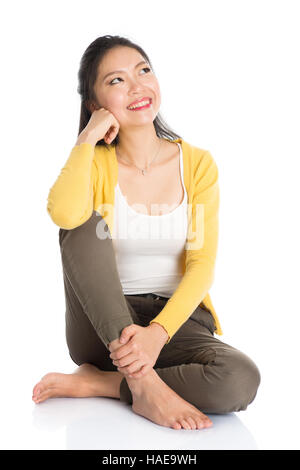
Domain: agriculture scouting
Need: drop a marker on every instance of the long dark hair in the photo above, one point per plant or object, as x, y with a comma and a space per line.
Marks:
87, 76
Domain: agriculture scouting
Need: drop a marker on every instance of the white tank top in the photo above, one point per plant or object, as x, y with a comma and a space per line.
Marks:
149, 249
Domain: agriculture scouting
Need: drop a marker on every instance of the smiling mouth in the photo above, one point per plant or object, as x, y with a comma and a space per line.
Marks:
142, 105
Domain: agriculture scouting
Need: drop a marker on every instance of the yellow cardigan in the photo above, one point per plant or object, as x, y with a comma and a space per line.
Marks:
87, 182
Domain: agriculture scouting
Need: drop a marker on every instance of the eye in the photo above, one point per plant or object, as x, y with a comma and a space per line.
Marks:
118, 78
146, 68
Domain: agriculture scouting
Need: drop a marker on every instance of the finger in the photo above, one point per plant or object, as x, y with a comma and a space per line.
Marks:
111, 134
127, 333
132, 368
126, 360
141, 373
121, 352
107, 138
116, 346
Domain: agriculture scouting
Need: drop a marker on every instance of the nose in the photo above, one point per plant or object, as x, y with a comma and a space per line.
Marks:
135, 86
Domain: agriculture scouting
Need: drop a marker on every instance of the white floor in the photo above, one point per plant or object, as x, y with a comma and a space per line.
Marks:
106, 423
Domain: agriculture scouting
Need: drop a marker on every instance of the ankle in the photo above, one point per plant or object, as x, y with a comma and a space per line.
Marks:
138, 385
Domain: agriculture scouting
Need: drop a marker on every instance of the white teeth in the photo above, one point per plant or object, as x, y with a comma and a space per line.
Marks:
139, 104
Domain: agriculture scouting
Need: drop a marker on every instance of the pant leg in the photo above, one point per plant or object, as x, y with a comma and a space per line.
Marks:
211, 375
84, 344
90, 270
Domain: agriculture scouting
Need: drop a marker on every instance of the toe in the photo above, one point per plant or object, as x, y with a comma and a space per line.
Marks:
199, 421
176, 425
208, 423
42, 396
38, 388
191, 422
185, 424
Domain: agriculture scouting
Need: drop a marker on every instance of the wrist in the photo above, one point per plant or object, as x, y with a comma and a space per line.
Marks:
86, 137
160, 330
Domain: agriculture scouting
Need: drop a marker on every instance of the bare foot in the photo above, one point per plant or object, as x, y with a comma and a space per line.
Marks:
155, 400
86, 381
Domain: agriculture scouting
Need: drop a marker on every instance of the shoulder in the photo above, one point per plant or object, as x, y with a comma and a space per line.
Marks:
199, 157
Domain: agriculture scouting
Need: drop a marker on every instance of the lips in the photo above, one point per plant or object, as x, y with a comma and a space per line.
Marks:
140, 100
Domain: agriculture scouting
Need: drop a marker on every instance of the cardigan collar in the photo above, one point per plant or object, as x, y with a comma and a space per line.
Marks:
186, 150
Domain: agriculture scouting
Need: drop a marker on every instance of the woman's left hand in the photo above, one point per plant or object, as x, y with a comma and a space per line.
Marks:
142, 348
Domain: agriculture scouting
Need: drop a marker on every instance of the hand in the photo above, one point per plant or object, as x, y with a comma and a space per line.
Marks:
102, 125
143, 345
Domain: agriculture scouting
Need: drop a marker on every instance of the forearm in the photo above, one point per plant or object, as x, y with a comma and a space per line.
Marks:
87, 138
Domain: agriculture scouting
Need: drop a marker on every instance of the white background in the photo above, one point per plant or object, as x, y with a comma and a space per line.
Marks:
229, 77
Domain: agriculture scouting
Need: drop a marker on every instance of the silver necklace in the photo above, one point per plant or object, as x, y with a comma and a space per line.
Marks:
143, 170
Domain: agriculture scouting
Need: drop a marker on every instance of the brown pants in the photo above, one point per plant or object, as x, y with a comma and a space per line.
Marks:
211, 375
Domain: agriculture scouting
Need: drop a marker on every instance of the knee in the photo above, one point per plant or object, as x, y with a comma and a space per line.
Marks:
85, 241
240, 379
89, 228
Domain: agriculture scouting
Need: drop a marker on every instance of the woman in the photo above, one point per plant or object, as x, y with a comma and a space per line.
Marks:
140, 323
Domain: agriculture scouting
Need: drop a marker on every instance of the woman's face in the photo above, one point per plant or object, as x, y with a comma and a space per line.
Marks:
118, 90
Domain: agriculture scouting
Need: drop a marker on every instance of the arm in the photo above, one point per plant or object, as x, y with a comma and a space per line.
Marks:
70, 199
160, 330
200, 253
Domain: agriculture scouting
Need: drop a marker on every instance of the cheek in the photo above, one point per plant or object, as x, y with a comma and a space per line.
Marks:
111, 100
158, 96
156, 92
116, 103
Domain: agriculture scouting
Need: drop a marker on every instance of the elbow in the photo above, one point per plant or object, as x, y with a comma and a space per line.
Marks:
64, 220
61, 219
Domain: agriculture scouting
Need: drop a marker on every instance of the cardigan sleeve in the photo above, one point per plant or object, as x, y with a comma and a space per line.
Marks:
200, 250
71, 198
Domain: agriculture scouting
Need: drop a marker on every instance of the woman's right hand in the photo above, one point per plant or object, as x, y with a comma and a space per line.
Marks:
102, 125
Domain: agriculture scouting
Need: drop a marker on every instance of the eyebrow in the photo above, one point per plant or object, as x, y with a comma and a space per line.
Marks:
121, 71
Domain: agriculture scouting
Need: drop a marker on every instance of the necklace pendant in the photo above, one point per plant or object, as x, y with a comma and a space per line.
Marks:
144, 172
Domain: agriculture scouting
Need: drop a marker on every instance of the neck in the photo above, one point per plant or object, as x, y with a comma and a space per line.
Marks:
139, 147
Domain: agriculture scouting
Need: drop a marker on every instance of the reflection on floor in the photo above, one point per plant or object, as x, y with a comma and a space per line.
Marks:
107, 423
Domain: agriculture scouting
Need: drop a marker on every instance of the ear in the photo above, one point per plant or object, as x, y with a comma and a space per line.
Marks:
90, 106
